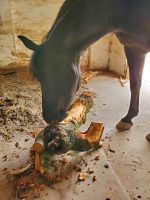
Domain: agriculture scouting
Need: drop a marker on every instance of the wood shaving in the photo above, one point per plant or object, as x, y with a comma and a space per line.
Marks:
97, 158
94, 178
89, 75
82, 176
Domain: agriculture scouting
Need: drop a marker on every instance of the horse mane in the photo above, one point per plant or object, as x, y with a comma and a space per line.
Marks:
66, 6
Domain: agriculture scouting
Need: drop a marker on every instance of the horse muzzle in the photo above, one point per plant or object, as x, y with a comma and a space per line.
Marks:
49, 117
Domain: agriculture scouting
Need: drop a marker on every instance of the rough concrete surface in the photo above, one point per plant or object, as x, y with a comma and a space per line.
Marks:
123, 170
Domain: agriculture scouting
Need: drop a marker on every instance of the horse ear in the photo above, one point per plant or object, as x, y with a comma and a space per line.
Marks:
28, 43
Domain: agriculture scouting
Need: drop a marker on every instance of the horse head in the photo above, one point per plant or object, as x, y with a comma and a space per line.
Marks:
58, 76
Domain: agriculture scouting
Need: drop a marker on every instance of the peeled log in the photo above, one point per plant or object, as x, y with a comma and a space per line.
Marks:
58, 134
59, 138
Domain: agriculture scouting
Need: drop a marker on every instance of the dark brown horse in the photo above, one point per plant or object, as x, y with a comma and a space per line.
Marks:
79, 24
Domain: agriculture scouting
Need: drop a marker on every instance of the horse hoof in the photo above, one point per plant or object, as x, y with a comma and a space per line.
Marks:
148, 137
123, 126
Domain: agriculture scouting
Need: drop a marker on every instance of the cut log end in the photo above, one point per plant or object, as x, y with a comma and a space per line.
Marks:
94, 132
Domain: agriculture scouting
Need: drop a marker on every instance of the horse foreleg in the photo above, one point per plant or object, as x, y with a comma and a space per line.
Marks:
135, 60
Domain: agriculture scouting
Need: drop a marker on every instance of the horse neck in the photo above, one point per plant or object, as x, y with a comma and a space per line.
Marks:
86, 22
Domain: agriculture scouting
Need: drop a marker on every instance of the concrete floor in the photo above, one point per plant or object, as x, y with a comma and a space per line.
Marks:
131, 160
126, 153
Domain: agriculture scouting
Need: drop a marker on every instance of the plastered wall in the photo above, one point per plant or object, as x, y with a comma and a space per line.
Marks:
33, 18
7, 45
117, 59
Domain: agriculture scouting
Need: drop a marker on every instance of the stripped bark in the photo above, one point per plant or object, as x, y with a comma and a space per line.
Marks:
59, 138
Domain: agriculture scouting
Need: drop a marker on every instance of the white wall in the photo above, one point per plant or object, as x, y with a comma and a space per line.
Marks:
33, 18
7, 45
97, 55
106, 53
117, 59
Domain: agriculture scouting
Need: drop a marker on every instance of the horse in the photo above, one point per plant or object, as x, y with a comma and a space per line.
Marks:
80, 23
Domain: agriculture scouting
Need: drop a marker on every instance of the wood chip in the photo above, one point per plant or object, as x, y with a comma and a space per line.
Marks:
122, 81
65, 161
94, 178
82, 176
111, 150
21, 170
89, 75
97, 158
106, 166
90, 170
17, 144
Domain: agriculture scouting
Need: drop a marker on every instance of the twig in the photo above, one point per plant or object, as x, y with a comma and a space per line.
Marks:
122, 82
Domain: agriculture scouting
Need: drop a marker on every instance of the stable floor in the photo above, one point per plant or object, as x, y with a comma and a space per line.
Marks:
122, 169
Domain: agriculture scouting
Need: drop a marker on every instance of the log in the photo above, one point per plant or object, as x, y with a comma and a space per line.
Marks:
59, 138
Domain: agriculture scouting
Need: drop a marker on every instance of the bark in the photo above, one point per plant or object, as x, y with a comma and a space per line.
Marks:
59, 138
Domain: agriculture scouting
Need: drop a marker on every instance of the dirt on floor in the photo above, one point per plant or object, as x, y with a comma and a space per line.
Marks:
20, 106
